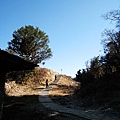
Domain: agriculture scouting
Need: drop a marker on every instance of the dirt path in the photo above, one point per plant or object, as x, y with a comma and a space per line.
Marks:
45, 100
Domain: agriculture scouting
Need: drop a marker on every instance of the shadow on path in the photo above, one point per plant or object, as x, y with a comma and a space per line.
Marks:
45, 100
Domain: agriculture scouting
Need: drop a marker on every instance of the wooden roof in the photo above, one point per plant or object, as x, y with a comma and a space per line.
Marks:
9, 62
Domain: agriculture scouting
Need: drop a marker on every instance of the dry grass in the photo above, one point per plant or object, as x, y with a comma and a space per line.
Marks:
22, 103
31, 86
65, 86
13, 89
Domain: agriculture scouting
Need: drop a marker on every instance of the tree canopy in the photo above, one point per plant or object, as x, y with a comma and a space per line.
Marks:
111, 41
110, 61
30, 43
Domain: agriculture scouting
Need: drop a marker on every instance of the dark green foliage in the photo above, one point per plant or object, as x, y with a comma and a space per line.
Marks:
31, 44
103, 92
89, 75
85, 77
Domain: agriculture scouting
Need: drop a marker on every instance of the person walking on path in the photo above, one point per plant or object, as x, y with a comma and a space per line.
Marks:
46, 83
55, 77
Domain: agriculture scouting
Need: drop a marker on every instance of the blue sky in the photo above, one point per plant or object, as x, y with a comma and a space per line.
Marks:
74, 28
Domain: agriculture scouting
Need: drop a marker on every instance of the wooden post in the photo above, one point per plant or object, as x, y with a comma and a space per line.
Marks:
2, 83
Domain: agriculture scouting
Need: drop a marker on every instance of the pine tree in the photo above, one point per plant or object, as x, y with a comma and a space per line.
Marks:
31, 44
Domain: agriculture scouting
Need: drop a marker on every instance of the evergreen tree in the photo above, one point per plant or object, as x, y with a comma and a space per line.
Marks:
31, 44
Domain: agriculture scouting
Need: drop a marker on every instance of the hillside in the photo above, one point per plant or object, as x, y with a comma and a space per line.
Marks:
21, 100
31, 86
